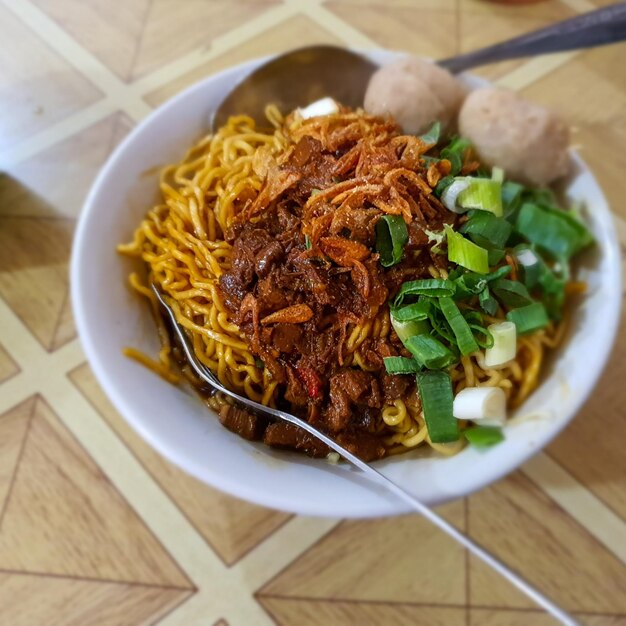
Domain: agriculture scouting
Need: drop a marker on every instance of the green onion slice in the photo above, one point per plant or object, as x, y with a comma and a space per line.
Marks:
406, 330
391, 237
462, 332
435, 389
487, 230
433, 134
484, 194
511, 199
443, 184
455, 152
420, 310
433, 287
495, 256
465, 253
511, 293
401, 365
483, 436
551, 231
430, 351
529, 318
487, 302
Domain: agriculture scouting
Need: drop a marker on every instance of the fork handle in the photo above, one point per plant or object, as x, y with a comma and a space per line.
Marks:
203, 372
596, 28
417, 505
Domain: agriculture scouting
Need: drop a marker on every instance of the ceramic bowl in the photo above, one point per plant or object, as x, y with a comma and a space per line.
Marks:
178, 424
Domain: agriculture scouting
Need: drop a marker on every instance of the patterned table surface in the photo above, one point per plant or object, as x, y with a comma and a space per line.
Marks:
98, 529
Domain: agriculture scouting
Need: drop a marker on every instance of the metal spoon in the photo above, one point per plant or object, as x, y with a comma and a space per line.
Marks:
207, 375
302, 76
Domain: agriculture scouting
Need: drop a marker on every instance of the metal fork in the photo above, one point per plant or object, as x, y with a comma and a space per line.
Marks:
207, 375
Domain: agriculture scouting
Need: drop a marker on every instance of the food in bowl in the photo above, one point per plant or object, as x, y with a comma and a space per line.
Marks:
384, 286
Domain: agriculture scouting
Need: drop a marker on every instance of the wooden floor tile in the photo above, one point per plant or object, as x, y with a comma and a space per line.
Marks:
13, 427
37, 87
522, 526
26, 600
8, 367
111, 31
34, 255
292, 33
173, 28
53, 183
403, 26
305, 612
64, 517
405, 559
231, 526
596, 460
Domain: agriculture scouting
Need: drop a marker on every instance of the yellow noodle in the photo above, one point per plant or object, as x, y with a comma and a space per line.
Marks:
181, 241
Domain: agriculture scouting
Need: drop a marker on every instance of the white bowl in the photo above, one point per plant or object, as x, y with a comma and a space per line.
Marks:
109, 317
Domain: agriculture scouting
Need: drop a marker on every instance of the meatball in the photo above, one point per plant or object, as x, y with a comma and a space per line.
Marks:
528, 141
416, 93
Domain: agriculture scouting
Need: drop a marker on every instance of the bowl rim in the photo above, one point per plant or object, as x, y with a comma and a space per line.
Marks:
269, 498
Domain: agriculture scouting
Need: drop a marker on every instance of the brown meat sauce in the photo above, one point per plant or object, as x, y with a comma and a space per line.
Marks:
308, 238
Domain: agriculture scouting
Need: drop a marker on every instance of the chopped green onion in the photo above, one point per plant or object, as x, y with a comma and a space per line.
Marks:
391, 237
501, 272
435, 390
465, 253
504, 346
433, 287
441, 328
314, 192
550, 231
420, 310
529, 318
495, 256
483, 436
455, 152
443, 184
487, 302
537, 275
401, 365
487, 230
471, 284
572, 217
259, 364
511, 293
484, 194
307, 242
406, 330
431, 137
430, 351
486, 405
462, 332
511, 199
450, 195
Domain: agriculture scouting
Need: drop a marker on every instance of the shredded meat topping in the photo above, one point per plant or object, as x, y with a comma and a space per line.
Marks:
305, 271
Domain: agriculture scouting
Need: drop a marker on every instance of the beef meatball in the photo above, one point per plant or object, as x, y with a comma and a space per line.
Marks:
526, 140
416, 93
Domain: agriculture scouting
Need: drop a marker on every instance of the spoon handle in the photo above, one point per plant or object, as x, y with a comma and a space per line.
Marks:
596, 28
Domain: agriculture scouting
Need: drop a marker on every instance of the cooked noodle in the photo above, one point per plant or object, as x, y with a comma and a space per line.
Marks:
182, 243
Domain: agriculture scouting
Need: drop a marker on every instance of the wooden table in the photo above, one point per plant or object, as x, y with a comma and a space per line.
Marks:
98, 529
